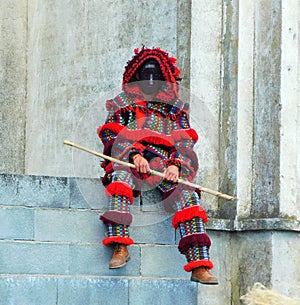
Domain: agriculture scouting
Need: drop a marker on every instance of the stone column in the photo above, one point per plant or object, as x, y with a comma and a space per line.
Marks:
290, 111
13, 79
267, 104
245, 107
205, 92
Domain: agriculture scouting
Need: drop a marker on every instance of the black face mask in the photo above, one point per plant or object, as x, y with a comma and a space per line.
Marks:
150, 77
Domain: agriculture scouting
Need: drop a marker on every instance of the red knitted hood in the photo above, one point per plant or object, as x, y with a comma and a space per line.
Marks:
168, 68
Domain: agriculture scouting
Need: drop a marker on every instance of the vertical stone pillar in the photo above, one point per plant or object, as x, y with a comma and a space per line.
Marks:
206, 25
228, 104
266, 140
184, 40
13, 78
290, 112
245, 93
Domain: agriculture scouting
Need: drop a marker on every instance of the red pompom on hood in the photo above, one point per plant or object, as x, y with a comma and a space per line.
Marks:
168, 68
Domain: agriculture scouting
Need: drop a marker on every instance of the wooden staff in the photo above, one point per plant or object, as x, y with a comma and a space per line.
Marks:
152, 171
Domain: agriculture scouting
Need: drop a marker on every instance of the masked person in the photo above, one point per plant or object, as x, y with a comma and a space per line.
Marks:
148, 125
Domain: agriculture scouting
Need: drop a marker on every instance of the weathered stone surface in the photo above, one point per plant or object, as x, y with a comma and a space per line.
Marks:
156, 229
34, 258
162, 292
266, 141
228, 106
13, 77
87, 194
162, 261
286, 260
252, 261
67, 226
93, 259
24, 190
74, 62
183, 47
82, 48
16, 223
93, 291
205, 78
28, 290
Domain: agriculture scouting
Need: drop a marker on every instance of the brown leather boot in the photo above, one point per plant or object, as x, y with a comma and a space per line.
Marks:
202, 275
120, 257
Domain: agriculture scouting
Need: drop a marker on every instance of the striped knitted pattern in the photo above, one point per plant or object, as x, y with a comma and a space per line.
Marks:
108, 135
166, 186
197, 253
158, 151
195, 225
122, 176
184, 122
187, 143
157, 123
119, 148
115, 117
115, 230
121, 100
132, 122
119, 203
187, 199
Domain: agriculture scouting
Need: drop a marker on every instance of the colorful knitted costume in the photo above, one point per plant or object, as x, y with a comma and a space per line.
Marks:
160, 131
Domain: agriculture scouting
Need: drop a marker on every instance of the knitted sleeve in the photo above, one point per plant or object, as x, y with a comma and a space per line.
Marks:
183, 154
113, 125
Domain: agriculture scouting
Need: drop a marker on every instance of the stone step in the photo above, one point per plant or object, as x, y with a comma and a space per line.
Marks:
24, 257
51, 250
63, 290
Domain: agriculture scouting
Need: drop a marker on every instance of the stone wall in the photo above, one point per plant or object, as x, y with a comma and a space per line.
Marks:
63, 58
241, 66
13, 90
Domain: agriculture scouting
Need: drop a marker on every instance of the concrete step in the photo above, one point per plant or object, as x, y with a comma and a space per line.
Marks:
51, 250
62, 290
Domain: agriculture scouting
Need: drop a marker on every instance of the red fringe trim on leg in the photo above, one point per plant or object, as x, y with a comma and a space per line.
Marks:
189, 213
119, 188
195, 264
117, 239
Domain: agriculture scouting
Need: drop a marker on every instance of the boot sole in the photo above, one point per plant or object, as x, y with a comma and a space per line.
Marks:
120, 266
204, 283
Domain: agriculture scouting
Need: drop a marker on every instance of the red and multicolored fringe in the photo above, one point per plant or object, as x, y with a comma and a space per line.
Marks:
198, 263
117, 239
119, 188
187, 214
115, 128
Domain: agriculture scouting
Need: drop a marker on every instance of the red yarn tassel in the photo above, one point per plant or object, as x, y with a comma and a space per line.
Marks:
117, 239
200, 263
119, 188
189, 213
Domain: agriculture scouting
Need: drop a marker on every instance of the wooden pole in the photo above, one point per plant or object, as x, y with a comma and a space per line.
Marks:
152, 172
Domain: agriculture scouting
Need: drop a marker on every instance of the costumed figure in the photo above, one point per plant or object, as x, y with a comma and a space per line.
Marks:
148, 125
